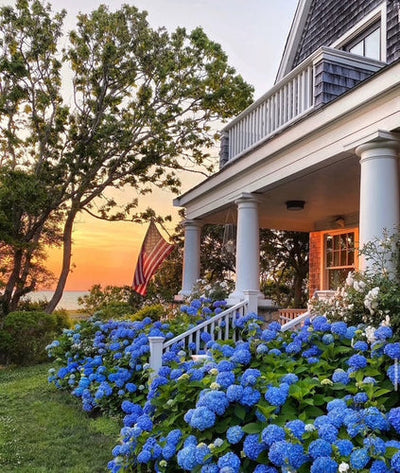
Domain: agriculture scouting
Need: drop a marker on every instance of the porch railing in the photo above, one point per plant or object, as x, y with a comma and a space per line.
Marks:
323, 76
220, 327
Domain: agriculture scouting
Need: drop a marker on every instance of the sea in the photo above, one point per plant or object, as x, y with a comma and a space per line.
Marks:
69, 300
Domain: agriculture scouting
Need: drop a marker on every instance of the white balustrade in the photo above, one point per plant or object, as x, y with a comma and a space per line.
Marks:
220, 327
289, 99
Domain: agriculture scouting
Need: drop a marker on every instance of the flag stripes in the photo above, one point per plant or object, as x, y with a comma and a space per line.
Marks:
153, 252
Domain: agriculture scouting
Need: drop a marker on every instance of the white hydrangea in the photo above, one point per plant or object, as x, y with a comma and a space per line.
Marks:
371, 300
343, 467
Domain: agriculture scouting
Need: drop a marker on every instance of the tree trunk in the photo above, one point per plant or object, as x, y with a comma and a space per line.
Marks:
11, 283
66, 264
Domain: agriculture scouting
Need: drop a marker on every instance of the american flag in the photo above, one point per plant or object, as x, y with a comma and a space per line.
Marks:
153, 252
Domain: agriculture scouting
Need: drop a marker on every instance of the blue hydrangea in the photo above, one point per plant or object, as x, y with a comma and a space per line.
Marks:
187, 458
379, 466
375, 445
230, 460
250, 396
234, 434
361, 346
345, 447
357, 362
392, 350
327, 339
265, 469
273, 433
279, 452
361, 398
328, 432
336, 404
249, 377
262, 349
340, 376
395, 462
215, 401
252, 446
241, 356
202, 453
268, 335
339, 328
375, 420
290, 378
320, 448
324, 465
320, 324
225, 379
234, 393
359, 458
202, 418
297, 427
145, 423
393, 373
383, 333
276, 396
394, 418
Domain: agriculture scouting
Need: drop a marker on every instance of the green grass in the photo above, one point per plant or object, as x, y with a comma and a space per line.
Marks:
43, 430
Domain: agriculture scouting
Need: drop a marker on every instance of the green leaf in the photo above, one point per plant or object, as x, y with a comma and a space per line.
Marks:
240, 412
252, 428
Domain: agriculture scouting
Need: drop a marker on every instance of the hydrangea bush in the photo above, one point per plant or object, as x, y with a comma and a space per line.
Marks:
105, 363
320, 400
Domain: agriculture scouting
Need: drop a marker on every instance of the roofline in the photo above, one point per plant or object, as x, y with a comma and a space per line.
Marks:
292, 41
185, 197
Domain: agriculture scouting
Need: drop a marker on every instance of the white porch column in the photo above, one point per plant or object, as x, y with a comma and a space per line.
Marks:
247, 248
379, 190
191, 256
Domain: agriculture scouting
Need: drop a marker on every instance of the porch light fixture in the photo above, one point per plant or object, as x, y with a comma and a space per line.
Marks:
295, 205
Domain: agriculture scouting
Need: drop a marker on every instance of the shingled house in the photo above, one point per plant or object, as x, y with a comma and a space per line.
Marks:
318, 152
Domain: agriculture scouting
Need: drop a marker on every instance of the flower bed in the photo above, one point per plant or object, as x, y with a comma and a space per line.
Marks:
104, 363
320, 400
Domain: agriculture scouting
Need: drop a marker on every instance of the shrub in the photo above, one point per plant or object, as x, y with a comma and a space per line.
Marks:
307, 401
370, 297
25, 335
154, 312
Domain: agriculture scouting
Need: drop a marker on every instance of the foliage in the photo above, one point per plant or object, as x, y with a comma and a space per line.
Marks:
371, 296
284, 266
308, 401
44, 430
25, 334
144, 102
153, 312
100, 298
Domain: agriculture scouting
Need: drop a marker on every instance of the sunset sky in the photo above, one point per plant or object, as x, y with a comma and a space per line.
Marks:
253, 34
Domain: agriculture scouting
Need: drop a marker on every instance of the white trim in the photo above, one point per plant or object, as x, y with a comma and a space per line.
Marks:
299, 21
368, 20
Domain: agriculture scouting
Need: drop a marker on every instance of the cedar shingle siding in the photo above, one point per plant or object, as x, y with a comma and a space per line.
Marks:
330, 19
393, 33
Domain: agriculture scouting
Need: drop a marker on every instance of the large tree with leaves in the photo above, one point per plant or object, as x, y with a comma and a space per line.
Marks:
142, 107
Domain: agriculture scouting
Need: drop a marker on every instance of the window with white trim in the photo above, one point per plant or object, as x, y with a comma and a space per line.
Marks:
367, 44
340, 257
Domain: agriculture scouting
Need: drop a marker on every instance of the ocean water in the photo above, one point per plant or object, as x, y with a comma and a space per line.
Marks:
69, 300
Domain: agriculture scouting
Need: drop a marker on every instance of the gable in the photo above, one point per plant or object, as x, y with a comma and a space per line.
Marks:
327, 21
322, 22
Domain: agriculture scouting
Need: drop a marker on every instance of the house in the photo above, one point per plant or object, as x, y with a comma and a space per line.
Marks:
318, 152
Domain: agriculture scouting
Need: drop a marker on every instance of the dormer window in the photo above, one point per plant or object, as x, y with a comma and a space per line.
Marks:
367, 44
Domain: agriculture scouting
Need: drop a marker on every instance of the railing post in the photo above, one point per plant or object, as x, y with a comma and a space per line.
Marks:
156, 351
252, 300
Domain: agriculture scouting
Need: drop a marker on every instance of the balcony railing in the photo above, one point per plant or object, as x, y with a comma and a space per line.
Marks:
325, 75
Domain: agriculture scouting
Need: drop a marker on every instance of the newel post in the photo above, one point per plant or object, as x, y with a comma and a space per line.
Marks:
252, 300
156, 351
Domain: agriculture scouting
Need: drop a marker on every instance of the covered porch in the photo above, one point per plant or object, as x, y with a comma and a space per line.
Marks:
340, 160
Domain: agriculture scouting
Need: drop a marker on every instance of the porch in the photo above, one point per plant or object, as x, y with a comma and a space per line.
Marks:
339, 159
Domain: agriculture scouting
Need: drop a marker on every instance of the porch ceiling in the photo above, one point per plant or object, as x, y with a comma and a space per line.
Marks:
329, 192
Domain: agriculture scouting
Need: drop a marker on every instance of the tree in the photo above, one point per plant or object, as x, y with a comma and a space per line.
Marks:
284, 266
144, 103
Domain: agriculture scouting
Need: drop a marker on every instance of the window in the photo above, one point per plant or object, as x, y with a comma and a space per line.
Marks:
339, 257
367, 44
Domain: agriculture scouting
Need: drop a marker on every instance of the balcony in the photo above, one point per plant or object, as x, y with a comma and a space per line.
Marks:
325, 75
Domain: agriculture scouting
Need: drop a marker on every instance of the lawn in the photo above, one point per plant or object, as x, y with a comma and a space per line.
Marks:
43, 430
